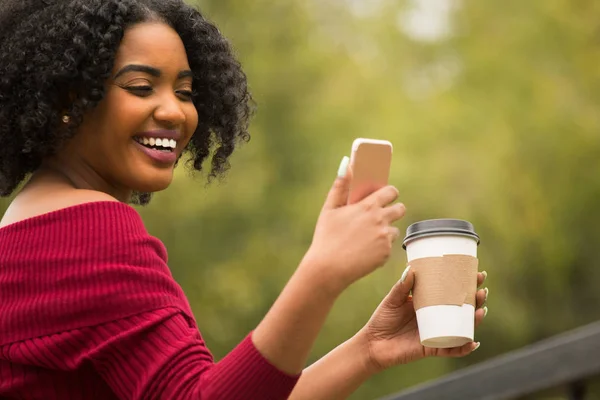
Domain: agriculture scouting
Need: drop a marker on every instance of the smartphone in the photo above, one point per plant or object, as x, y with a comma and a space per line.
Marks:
370, 161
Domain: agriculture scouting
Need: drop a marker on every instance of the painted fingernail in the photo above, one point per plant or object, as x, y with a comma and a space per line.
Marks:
404, 274
485, 310
487, 292
476, 346
484, 273
343, 167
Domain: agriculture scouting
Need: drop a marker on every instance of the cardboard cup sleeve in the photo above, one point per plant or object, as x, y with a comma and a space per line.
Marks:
447, 280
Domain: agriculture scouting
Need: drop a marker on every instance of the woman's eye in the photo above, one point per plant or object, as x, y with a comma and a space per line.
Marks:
141, 91
186, 94
144, 91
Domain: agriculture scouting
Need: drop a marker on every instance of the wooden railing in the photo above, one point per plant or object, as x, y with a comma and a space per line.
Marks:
565, 361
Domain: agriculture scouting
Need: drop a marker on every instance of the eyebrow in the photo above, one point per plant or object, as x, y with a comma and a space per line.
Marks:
150, 71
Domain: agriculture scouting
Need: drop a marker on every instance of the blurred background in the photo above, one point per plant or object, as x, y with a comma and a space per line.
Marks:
494, 112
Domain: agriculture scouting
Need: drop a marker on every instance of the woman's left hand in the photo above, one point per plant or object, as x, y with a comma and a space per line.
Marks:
392, 334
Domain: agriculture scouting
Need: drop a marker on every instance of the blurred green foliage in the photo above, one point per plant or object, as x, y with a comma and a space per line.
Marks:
494, 115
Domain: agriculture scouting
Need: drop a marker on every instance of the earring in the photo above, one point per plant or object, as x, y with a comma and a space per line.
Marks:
66, 119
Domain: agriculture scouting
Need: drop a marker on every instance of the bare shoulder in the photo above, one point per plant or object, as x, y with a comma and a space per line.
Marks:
32, 203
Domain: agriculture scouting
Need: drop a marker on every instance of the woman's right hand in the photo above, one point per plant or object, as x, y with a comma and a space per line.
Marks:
352, 240
349, 242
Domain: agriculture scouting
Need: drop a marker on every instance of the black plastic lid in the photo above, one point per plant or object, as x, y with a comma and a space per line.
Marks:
436, 227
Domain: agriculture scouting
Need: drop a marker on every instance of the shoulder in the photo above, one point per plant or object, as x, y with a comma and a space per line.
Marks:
88, 221
31, 204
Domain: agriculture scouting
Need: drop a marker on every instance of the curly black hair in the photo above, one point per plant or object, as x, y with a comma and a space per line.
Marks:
55, 56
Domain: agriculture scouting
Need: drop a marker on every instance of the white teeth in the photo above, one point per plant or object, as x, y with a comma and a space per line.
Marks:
166, 143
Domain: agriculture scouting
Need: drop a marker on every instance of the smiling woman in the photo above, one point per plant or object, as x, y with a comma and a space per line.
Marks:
99, 100
82, 79
149, 95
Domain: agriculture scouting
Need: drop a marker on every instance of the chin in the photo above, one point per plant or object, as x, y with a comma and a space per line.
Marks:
154, 182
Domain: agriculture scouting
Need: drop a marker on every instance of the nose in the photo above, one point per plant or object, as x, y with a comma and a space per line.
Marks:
169, 111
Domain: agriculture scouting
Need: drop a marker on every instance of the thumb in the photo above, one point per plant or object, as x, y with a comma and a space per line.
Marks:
338, 194
399, 293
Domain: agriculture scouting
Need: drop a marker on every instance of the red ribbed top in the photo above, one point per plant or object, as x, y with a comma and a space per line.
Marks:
90, 310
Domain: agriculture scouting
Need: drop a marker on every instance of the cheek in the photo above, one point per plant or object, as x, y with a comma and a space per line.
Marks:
124, 114
191, 120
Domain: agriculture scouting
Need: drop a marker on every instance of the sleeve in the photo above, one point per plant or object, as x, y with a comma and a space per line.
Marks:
158, 355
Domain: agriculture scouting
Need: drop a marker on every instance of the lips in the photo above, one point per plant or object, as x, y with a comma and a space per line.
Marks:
163, 156
159, 145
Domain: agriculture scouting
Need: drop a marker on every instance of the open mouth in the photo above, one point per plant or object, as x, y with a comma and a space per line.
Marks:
165, 145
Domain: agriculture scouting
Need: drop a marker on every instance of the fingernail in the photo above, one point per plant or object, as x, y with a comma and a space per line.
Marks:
487, 292
343, 167
485, 310
404, 274
476, 346
484, 273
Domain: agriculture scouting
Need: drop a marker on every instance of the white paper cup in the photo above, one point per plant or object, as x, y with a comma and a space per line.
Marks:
443, 326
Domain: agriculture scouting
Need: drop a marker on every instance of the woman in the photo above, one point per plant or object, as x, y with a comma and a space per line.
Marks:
99, 99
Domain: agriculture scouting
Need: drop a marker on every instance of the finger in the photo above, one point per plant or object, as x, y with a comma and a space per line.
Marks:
481, 297
393, 233
383, 196
394, 212
459, 351
480, 315
399, 293
481, 277
338, 195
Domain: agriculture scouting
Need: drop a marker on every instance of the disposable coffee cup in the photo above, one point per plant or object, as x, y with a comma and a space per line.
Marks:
443, 255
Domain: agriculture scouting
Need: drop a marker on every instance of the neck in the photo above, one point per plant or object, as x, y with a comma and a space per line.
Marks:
80, 175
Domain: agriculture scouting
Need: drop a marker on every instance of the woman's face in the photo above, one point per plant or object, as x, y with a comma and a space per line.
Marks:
132, 139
